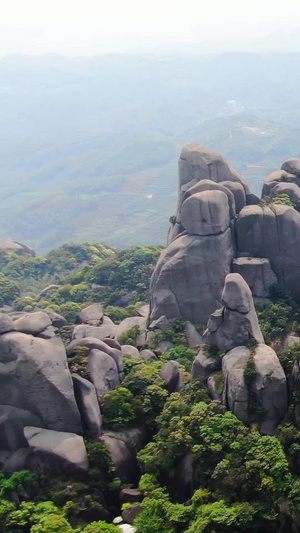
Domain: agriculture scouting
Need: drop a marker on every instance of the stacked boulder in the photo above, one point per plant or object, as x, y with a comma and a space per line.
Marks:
219, 228
252, 376
44, 409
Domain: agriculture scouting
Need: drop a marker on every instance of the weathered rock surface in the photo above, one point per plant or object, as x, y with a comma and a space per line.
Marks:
274, 234
67, 448
32, 323
34, 376
213, 387
57, 320
291, 189
205, 213
97, 332
6, 323
124, 446
198, 162
12, 423
96, 344
131, 496
132, 351
276, 177
147, 355
257, 273
203, 365
208, 185
188, 278
103, 371
91, 314
292, 166
235, 392
237, 323
268, 387
86, 398
129, 323
171, 376
238, 192
18, 248
130, 513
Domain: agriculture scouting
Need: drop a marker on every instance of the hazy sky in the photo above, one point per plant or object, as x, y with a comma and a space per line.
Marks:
86, 27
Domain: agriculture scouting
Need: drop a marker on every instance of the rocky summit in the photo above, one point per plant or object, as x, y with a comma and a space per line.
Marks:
187, 393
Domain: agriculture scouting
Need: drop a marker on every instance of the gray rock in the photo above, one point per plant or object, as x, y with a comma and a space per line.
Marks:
130, 513
274, 234
34, 376
275, 177
194, 339
236, 294
91, 314
238, 192
129, 323
96, 344
174, 231
67, 448
32, 323
57, 320
106, 321
97, 332
86, 398
148, 355
131, 496
292, 166
252, 199
198, 162
103, 372
171, 376
15, 247
257, 273
6, 323
291, 189
112, 343
12, 423
123, 447
49, 333
235, 392
184, 477
144, 310
132, 351
291, 340
165, 346
203, 365
161, 323
212, 386
208, 185
188, 278
270, 388
237, 323
205, 213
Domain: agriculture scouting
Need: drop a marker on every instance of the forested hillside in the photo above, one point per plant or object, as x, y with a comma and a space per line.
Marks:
89, 146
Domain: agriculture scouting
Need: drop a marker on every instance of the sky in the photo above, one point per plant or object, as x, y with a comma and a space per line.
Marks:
88, 27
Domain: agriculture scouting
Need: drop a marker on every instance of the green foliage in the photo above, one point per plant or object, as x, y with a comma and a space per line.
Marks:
283, 199
288, 356
52, 523
19, 482
101, 527
185, 356
129, 336
173, 333
78, 363
9, 290
69, 311
275, 320
118, 408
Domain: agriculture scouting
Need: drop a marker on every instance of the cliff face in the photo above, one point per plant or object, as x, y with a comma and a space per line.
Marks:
219, 227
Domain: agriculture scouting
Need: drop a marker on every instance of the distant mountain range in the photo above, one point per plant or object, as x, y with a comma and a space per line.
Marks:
89, 146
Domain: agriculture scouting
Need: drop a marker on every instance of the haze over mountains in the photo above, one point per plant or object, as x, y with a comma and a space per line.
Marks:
89, 146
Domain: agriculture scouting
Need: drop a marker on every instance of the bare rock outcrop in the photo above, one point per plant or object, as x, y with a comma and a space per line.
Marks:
236, 323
